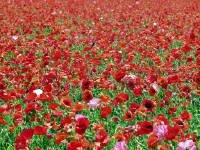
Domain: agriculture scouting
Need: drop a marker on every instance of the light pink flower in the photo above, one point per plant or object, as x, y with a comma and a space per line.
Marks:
78, 116
94, 102
155, 87
160, 131
120, 146
189, 144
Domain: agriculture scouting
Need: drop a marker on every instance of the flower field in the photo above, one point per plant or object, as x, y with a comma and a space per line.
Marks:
100, 75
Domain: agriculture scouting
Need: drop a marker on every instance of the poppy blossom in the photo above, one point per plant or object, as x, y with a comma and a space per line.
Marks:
40, 130
27, 133
148, 105
186, 116
188, 144
129, 116
87, 96
133, 107
138, 91
93, 103
119, 75
120, 146
145, 127
105, 111
81, 125
160, 131
153, 141
102, 137
21, 143
85, 85
172, 133
74, 146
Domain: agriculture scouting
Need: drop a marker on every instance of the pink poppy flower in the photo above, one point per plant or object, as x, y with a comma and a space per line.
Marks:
94, 102
189, 144
160, 131
120, 146
78, 116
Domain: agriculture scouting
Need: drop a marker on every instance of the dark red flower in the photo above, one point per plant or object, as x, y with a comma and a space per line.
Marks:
65, 120
86, 84
138, 91
87, 96
145, 127
105, 111
173, 79
123, 96
119, 75
81, 125
53, 106
148, 104
74, 146
40, 130
171, 111
133, 107
20, 143
102, 137
186, 116
27, 133
172, 133
153, 141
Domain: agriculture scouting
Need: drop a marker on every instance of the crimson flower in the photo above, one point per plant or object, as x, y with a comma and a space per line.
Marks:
153, 141
102, 137
148, 104
105, 111
145, 127
172, 133
40, 130
27, 133
74, 146
81, 125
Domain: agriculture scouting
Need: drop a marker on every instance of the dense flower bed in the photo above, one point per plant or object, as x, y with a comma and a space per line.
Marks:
99, 74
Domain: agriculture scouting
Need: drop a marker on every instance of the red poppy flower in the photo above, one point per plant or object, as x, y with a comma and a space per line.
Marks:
65, 121
27, 133
148, 104
171, 111
66, 101
74, 146
2, 121
102, 137
20, 143
81, 125
105, 111
153, 141
123, 96
53, 106
87, 96
133, 107
172, 133
145, 127
40, 130
138, 91
162, 118
129, 116
173, 79
186, 116
119, 75
86, 84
